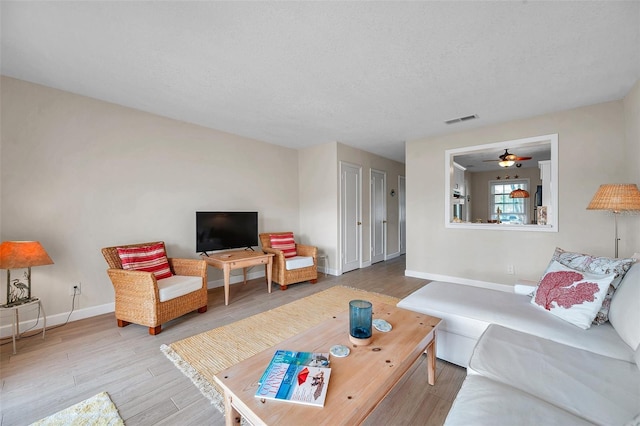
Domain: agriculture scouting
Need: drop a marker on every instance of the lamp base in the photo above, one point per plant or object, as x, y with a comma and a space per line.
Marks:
360, 342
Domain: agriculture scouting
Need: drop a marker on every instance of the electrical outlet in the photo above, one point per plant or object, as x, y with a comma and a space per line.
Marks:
75, 289
510, 270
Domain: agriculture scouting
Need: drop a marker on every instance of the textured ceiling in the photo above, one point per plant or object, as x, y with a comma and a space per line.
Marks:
368, 74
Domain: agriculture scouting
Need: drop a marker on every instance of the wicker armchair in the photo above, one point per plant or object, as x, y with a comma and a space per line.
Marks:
280, 273
137, 294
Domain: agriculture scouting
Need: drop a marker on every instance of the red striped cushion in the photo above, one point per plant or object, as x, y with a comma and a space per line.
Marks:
284, 242
151, 258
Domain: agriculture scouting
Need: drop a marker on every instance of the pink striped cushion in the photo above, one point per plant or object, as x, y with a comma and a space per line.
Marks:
151, 258
284, 242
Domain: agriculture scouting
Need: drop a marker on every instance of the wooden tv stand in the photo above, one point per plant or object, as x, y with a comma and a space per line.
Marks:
228, 260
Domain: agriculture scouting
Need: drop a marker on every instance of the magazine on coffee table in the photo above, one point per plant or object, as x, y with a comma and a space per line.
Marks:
298, 377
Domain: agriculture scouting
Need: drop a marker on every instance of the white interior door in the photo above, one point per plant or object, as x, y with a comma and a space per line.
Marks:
402, 213
350, 217
378, 215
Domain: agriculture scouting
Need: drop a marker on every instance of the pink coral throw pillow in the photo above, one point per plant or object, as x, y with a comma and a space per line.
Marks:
151, 258
284, 242
575, 296
596, 265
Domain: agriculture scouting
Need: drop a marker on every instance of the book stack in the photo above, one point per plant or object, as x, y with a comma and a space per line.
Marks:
299, 377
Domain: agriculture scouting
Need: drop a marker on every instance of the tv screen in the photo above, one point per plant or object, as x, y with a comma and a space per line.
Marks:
226, 230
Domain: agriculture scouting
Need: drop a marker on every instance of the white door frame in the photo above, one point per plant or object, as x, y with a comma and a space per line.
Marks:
402, 214
378, 215
353, 226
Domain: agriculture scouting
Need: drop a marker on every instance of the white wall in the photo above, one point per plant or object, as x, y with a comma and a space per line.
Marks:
592, 148
393, 169
632, 130
318, 167
320, 195
78, 174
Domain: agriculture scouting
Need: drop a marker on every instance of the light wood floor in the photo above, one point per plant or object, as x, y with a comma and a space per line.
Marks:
89, 356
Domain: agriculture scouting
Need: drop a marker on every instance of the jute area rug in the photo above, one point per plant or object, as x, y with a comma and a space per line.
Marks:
202, 356
95, 411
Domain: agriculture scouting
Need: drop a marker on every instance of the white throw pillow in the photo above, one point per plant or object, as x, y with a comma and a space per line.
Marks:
624, 314
596, 265
574, 296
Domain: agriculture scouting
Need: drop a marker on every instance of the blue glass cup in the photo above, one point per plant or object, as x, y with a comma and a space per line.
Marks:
360, 322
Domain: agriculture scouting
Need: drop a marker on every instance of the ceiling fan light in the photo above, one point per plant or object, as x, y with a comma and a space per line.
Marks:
506, 163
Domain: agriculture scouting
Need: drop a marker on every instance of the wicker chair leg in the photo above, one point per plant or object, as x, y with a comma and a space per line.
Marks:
314, 281
122, 323
155, 330
283, 287
202, 310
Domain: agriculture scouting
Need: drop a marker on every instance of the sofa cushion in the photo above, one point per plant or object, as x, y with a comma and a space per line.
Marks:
151, 258
484, 402
468, 310
178, 285
571, 295
600, 389
624, 314
298, 262
596, 265
284, 242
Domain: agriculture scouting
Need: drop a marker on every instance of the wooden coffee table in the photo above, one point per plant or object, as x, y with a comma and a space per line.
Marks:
236, 259
358, 382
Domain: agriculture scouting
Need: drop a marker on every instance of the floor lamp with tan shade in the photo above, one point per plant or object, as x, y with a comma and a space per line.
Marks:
616, 198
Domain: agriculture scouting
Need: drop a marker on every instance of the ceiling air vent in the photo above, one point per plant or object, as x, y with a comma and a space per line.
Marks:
461, 119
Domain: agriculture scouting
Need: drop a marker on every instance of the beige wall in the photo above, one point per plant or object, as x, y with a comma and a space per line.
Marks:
393, 169
591, 140
79, 174
318, 167
479, 182
632, 131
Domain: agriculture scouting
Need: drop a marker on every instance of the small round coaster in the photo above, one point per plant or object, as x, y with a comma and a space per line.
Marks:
381, 325
339, 351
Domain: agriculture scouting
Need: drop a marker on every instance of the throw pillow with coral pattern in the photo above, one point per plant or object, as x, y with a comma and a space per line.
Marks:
574, 296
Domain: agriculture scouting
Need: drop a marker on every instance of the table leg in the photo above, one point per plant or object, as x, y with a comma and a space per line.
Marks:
269, 271
231, 415
226, 271
431, 360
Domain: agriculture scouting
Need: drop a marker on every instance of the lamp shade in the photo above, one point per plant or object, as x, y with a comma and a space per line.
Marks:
519, 193
22, 254
616, 197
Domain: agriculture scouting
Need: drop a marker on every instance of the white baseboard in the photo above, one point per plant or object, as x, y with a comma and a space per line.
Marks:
458, 280
392, 255
53, 320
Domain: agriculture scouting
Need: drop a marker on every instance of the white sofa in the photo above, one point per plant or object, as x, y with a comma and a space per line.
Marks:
526, 366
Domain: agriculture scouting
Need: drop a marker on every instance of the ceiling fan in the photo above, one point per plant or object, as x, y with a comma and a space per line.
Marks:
507, 159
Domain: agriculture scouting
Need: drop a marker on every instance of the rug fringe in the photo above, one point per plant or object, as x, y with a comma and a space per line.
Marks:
203, 385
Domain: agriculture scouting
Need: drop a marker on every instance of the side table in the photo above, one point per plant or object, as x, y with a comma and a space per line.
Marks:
15, 325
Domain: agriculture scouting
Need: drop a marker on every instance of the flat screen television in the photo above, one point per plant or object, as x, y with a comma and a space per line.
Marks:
226, 230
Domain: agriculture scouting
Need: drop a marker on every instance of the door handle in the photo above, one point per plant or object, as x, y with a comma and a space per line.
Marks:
384, 221
359, 223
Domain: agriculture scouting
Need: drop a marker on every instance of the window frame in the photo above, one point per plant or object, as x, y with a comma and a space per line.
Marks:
525, 184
